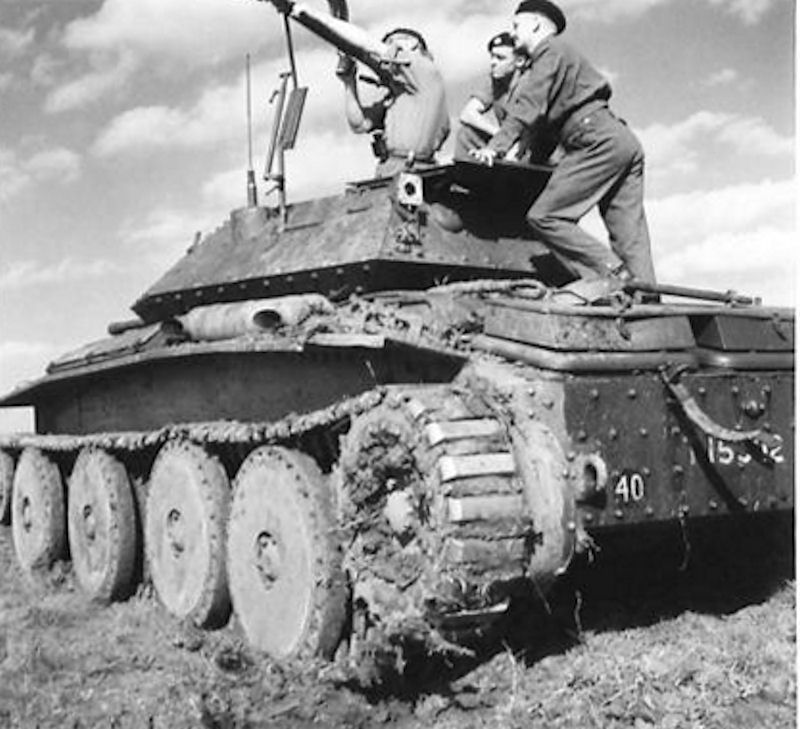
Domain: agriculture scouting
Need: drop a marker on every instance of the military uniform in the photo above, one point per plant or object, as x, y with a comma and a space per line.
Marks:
562, 95
414, 118
493, 95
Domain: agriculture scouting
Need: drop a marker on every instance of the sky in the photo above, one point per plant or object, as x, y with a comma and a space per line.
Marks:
123, 133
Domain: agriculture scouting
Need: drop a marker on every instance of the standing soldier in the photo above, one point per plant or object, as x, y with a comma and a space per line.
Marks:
562, 94
410, 122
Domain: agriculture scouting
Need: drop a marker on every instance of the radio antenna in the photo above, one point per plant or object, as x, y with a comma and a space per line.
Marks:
252, 190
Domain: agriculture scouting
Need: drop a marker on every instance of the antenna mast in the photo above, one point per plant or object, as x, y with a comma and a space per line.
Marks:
252, 190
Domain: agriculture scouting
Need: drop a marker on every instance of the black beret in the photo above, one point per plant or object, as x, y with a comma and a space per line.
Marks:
546, 8
407, 31
501, 39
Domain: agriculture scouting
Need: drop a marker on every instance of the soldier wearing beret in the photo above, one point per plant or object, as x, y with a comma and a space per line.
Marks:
562, 94
486, 108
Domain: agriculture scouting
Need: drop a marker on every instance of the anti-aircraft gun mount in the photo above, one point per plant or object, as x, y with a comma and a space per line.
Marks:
379, 421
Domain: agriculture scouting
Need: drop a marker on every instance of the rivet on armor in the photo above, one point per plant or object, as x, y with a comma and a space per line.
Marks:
619, 514
632, 394
571, 526
594, 394
677, 470
675, 430
265, 283
649, 511
571, 456
713, 505
735, 390
582, 435
366, 268
532, 391
643, 432
766, 426
549, 404
646, 471
743, 501
613, 433
702, 391
588, 518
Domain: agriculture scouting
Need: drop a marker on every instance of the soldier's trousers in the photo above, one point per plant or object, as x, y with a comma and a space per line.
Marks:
603, 165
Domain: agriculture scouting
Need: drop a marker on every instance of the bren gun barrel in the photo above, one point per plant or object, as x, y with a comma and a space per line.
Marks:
340, 34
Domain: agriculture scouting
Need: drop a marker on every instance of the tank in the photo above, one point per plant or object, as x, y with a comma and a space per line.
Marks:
380, 419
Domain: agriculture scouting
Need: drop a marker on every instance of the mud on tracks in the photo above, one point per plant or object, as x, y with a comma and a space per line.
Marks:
713, 646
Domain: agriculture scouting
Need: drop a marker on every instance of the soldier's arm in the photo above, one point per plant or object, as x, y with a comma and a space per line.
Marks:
475, 114
528, 106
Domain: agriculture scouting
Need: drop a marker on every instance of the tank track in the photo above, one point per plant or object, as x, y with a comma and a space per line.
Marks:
208, 433
438, 532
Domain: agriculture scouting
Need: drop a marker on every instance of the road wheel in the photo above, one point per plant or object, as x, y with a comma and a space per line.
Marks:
38, 522
101, 521
187, 509
284, 557
6, 479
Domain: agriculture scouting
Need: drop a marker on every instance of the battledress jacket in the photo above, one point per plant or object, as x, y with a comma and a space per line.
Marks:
557, 83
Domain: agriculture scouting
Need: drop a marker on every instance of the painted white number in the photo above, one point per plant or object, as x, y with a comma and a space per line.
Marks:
630, 487
725, 455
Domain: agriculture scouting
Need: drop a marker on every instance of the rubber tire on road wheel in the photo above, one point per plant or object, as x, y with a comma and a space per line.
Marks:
101, 521
38, 513
186, 514
284, 557
6, 480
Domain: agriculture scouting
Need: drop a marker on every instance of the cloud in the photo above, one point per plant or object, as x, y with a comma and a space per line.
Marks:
17, 174
676, 148
15, 42
6, 79
55, 164
723, 77
748, 11
206, 123
110, 72
742, 236
25, 274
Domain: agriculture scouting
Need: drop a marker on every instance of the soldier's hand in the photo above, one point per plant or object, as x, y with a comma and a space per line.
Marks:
346, 68
485, 155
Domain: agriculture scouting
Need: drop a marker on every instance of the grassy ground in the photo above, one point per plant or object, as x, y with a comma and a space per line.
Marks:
629, 642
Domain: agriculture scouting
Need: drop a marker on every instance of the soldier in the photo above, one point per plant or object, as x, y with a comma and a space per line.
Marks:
561, 93
486, 108
410, 122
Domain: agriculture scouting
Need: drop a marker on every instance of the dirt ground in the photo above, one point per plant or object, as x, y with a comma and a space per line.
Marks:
629, 642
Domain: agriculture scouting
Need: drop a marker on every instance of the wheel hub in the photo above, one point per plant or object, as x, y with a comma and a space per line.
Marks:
89, 523
268, 559
27, 515
175, 533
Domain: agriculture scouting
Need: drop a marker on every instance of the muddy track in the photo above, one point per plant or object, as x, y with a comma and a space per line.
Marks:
627, 643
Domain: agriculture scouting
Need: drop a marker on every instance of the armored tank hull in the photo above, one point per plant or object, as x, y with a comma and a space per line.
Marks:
340, 461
